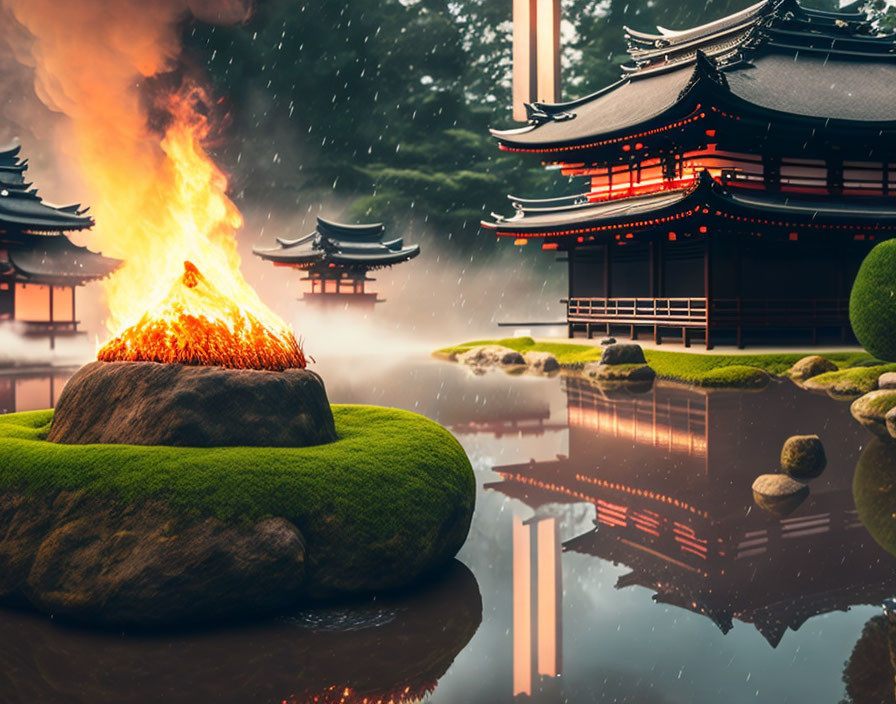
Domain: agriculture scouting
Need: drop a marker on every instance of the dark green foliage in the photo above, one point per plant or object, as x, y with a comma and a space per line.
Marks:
395, 484
872, 303
874, 492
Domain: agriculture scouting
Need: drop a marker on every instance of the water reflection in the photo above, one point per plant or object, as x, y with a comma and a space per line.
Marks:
603, 502
669, 474
393, 650
31, 390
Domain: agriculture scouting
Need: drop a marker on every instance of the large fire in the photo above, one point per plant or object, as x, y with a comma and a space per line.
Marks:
196, 324
157, 196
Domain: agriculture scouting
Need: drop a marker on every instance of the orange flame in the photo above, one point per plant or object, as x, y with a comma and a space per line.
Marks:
157, 196
198, 325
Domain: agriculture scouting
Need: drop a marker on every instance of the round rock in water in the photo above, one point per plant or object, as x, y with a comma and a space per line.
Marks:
623, 353
802, 456
778, 493
147, 403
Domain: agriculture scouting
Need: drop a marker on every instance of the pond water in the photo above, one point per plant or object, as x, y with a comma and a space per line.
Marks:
616, 555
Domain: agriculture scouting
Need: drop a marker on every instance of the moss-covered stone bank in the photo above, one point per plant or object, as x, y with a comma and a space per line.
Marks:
122, 534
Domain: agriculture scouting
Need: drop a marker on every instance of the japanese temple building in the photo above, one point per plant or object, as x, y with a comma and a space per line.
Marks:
337, 259
735, 177
40, 267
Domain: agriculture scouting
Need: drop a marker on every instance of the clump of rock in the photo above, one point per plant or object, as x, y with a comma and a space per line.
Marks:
811, 366
147, 403
779, 493
872, 409
541, 362
608, 341
484, 357
623, 353
803, 457
620, 362
887, 380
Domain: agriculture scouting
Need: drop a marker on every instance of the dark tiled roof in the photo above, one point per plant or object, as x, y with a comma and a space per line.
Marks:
21, 208
360, 246
55, 259
775, 56
533, 219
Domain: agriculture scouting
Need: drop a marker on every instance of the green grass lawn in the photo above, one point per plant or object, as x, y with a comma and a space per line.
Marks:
688, 367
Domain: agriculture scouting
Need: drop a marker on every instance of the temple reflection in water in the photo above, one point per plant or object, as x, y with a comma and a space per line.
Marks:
669, 473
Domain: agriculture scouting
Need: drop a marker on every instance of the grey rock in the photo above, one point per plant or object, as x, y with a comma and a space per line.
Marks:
627, 353
608, 341
541, 362
146, 403
485, 356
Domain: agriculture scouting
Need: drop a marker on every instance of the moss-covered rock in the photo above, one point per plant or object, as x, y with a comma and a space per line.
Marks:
619, 372
541, 362
874, 492
123, 533
810, 366
871, 410
487, 356
872, 302
623, 353
802, 456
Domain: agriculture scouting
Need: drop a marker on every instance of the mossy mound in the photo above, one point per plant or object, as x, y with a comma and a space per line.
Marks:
391, 499
803, 456
872, 408
874, 492
872, 302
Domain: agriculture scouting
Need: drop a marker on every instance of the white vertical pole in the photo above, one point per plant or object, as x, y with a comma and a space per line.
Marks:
548, 51
524, 56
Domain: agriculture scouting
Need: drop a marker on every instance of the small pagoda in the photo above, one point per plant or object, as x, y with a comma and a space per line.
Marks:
40, 267
734, 178
337, 259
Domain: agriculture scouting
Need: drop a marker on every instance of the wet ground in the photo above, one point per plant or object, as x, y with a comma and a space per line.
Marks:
616, 555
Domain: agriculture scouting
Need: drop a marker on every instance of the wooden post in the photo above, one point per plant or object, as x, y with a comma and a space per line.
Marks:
707, 286
52, 327
74, 314
548, 51
524, 56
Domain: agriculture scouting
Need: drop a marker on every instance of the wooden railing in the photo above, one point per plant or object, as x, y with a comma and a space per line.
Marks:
674, 312
689, 314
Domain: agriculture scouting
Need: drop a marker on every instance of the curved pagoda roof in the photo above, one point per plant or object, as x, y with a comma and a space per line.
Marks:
773, 59
22, 209
356, 246
56, 260
576, 215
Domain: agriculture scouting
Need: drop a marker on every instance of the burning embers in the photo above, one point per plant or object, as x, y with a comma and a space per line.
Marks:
197, 324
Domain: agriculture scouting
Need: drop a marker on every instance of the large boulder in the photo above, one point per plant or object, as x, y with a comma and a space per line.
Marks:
623, 353
872, 312
541, 362
148, 535
887, 380
485, 356
802, 456
104, 562
810, 366
147, 403
871, 410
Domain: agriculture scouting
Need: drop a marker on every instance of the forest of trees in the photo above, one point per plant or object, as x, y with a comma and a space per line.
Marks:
387, 104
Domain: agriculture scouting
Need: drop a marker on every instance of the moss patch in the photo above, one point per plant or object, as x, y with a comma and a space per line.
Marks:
850, 382
714, 370
396, 488
872, 302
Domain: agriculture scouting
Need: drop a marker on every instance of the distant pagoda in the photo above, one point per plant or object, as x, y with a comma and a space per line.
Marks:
737, 175
39, 266
337, 259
